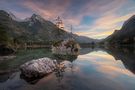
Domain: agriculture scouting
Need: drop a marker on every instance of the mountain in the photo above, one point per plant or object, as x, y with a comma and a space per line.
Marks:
34, 29
126, 35
84, 39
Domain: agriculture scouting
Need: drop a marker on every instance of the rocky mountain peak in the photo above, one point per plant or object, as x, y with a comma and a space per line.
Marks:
35, 28
130, 22
34, 18
37, 17
133, 17
14, 17
4, 13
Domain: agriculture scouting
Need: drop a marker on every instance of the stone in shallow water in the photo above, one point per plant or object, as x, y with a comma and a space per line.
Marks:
38, 68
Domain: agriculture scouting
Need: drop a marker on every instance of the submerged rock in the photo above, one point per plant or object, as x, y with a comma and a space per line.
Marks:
38, 68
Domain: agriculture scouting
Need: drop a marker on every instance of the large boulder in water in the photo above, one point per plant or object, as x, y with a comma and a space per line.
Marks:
38, 68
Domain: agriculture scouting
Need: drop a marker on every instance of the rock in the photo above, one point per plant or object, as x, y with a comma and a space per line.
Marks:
35, 70
38, 68
68, 46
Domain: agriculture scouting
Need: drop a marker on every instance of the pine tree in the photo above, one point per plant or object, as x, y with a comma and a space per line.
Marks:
4, 38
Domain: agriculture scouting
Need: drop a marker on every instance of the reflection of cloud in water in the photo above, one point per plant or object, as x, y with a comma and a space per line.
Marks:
106, 64
93, 71
90, 76
99, 54
114, 71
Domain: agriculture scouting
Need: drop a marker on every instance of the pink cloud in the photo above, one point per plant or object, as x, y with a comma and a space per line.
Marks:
105, 11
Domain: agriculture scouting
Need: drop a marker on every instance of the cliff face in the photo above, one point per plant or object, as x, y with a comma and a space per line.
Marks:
126, 35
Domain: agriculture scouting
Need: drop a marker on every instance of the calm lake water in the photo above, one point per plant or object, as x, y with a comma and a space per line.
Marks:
93, 69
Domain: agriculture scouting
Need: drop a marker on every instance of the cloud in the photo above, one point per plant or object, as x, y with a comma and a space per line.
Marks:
105, 25
74, 9
107, 15
48, 9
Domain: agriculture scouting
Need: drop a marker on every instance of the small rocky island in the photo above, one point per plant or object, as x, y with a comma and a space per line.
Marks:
69, 46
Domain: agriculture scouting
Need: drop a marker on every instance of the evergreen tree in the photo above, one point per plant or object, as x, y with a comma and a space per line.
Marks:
4, 38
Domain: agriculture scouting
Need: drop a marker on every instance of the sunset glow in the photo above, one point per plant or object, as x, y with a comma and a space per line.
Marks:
92, 18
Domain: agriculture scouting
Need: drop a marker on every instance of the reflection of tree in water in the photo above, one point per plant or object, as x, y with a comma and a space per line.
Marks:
59, 71
61, 65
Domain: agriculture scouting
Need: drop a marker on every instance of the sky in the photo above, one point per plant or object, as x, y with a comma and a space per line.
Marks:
93, 18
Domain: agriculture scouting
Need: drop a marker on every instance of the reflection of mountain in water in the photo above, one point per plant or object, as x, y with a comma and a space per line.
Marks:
84, 51
12, 80
126, 55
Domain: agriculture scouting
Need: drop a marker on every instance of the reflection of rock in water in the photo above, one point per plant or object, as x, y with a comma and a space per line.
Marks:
60, 69
126, 55
32, 80
61, 57
62, 64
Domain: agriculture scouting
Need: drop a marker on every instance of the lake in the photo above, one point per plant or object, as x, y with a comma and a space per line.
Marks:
92, 69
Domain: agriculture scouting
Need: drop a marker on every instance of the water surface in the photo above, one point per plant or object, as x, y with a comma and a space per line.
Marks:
93, 69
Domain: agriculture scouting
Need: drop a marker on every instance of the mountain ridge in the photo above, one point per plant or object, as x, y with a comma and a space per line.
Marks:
126, 35
35, 28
